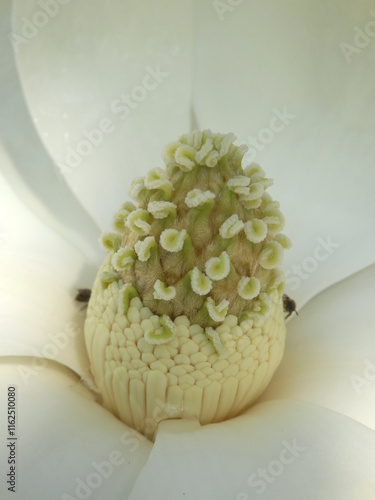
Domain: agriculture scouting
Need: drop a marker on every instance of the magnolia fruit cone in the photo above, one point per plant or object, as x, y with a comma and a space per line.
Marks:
185, 318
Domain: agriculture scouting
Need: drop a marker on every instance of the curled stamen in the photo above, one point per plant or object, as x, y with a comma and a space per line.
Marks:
161, 209
239, 184
156, 174
219, 311
218, 268
226, 142
138, 221
126, 294
108, 277
163, 292
275, 221
169, 152
231, 227
271, 256
254, 171
110, 241
136, 187
255, 191
248, 288
200, 283
263, 306
164, 334
143, 248
172, 240
185, 158
123, 258
255, 230
120, 217
197, 197
283, 240
214, 338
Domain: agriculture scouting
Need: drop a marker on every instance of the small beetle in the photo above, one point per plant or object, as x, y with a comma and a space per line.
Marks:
289, 306
83, 295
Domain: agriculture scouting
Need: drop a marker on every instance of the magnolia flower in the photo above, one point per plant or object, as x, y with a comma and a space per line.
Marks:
103, 94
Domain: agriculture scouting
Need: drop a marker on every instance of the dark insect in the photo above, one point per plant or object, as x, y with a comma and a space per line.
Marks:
289, 306
83, 295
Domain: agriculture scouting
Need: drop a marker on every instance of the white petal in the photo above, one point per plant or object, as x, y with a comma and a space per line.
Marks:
95, 73
330, 359
113, 463
40, 276
325, 186
291, 456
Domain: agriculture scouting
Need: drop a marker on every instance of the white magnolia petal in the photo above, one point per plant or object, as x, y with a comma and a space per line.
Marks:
113, 463
41, 273
331, 347
291, 458
105, 113
328, 204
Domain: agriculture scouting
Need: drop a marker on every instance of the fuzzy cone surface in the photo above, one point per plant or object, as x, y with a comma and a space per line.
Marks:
185, 317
